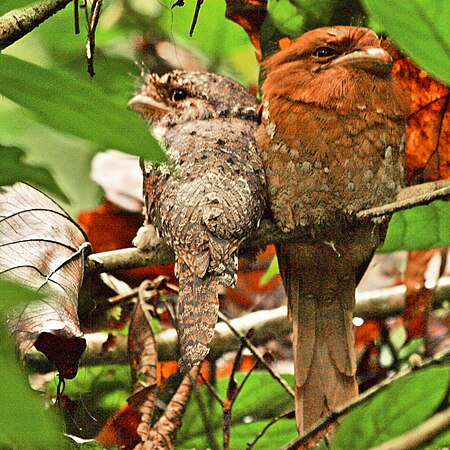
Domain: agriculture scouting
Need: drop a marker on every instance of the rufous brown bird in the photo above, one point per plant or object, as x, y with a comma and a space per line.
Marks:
331, 140
211, 194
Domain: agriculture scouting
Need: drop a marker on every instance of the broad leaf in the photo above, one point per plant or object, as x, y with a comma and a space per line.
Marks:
13, 169
24, 422
75, 106
420, 28
42, 248
261, 398
419, 228
395, 410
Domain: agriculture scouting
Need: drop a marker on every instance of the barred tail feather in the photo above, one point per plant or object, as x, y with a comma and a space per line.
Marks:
198, 306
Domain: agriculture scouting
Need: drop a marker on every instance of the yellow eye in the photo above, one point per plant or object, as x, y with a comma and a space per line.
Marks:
177, 95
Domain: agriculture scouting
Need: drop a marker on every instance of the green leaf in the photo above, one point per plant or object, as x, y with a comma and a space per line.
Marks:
9, 5
271, 272
419, 228
75, 106
13, 169
25, 424
260, 399
394, 411
420, 28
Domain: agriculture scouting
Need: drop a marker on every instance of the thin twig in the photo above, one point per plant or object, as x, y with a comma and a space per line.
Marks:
76, 17
258, 356
332, 416
90, 44
232, 393
209, 429
198, 5
212, 389
251, 444
400, 205
420, 435
15, 24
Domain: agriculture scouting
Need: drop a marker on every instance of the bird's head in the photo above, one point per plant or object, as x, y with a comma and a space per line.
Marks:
183, 96
327, 64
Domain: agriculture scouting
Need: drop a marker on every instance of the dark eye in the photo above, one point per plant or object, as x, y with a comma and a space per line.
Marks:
177, 95
324, 52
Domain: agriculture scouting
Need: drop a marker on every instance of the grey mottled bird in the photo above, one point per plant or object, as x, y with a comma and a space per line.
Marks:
211, 194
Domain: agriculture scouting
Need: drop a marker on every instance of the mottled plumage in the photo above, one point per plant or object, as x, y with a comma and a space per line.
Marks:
331, 140
211, 194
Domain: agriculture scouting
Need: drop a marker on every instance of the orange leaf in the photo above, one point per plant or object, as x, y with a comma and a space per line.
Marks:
418, 303
428, 132
250, 15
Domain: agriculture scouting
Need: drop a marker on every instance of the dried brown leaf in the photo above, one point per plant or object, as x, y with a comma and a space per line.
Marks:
143, 359
250, 15
42, 248
162, 435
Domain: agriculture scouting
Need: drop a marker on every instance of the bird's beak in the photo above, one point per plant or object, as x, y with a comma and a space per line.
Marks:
145, 105
371, 59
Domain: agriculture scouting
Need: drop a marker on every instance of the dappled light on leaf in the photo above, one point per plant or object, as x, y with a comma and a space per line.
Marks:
42, 248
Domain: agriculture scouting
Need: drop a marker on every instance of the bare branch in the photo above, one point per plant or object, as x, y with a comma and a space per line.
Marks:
15, 24
267, 325
267, 233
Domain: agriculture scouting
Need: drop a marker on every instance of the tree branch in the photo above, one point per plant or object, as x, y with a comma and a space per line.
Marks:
15, 24
269, 324
267, 233
419, 435
332, 416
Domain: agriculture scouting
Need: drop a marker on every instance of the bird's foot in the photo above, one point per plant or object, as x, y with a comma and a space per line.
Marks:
146, 238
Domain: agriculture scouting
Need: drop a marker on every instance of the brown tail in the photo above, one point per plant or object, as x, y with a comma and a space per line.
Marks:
320, 282
198, 306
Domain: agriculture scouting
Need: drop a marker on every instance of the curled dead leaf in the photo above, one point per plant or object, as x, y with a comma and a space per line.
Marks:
42, 248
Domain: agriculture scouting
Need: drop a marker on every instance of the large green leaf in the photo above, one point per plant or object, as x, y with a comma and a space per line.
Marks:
13, 168
223, 41
419, 228
24, 422
420, 28
261, 399
75, 106
394, 411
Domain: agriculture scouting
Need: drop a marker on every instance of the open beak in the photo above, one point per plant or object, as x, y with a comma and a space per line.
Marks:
371, 59
146, 105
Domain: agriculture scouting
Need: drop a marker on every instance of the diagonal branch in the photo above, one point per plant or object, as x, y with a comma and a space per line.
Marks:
17, 23
332, 416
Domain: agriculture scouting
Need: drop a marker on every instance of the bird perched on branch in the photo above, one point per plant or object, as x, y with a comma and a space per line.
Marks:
331, 140
211, 194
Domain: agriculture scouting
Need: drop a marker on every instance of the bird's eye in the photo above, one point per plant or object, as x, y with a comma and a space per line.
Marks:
324, 52
177, 95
